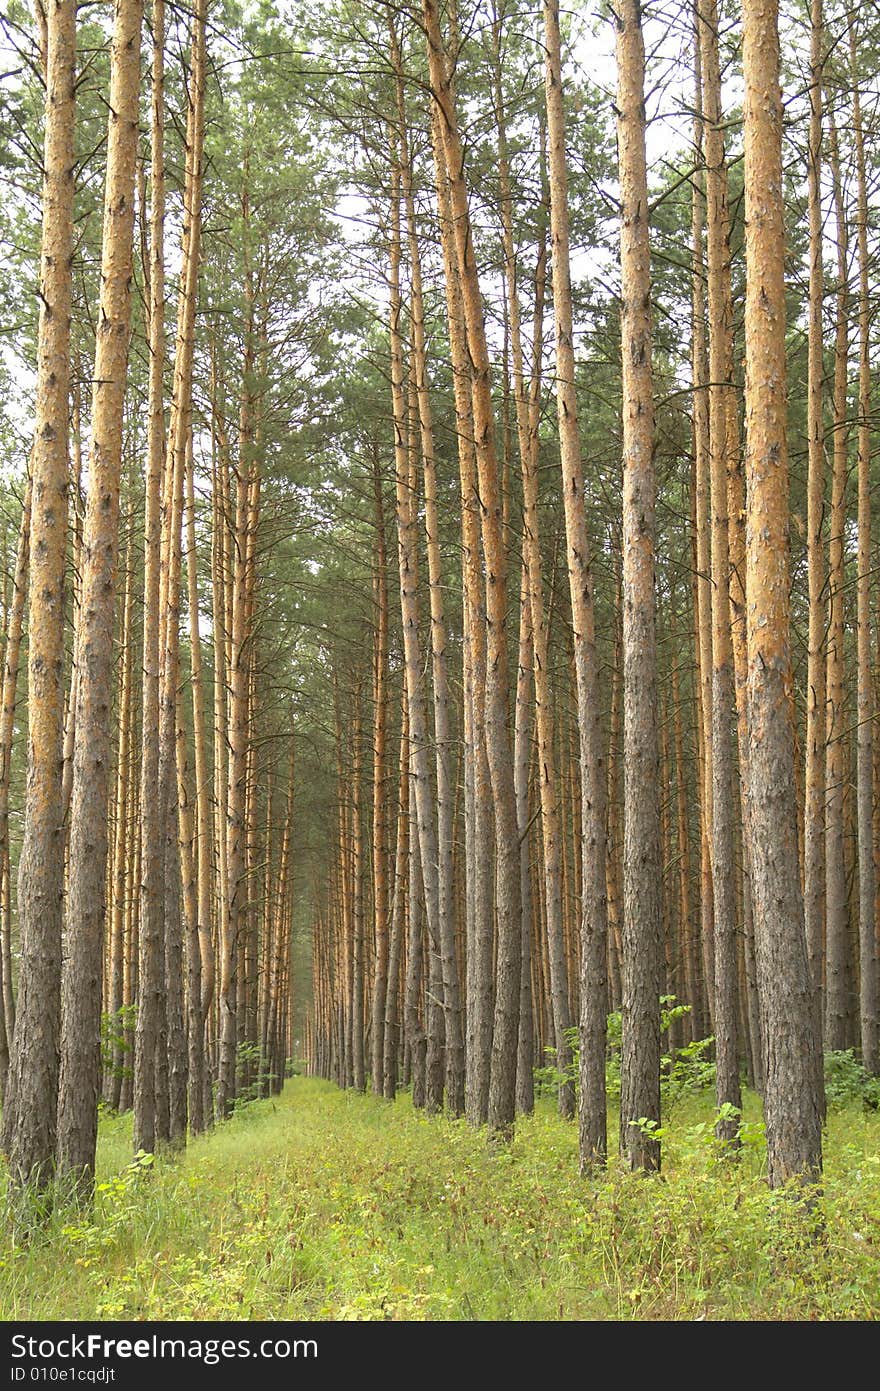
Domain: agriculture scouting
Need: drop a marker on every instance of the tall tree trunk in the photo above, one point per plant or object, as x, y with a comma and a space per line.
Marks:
527, 403
836, 985
454, 1044
687, 972
723, 446
533, 627
642, 909
593, 971
195, 151
8, 697
151, 983
814, 773
794, 1143
29, 1115
238, 674
220, 618
614, 837
357, 853
868, 985
522, 753
703, 577
415, 1030
81, 995
398, 913
407, 538
502, 1086
479, 915
381, 980
121, 849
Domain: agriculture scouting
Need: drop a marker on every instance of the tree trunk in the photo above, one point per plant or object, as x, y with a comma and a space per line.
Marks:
29, 1115
814, 773
594, 908
121, 849
868, 985
407, 539
398, 913
836, 986
381, 981
794, 1143
722, 449
454, 1055
357, 995
8, 698
479, 921
81, 996
702, 535
502, 1086
152, 894
642, 909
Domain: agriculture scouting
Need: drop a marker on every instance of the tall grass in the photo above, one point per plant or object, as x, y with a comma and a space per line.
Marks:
331, 1205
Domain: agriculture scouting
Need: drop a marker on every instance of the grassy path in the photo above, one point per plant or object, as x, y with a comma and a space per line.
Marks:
330, 1205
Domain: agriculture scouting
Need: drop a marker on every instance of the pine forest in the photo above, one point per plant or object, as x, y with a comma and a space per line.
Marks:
439, 660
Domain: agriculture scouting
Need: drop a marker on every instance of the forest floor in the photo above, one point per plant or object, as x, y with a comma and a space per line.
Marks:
330, 1205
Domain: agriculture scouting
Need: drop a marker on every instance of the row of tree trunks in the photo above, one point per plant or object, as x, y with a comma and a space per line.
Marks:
730, 967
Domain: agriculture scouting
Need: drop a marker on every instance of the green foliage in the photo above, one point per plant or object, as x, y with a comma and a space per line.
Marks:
253, 1073
685, 1071
330, 1205
847, 1081
116, 1031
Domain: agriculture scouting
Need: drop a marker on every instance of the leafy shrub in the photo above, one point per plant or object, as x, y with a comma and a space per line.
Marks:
116, 1030
684, 1071
251, 1064
847, 1080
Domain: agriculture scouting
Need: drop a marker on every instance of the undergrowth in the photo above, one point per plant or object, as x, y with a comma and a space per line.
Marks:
330, 1205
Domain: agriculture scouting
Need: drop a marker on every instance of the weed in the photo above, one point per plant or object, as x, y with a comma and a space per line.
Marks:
334, 1205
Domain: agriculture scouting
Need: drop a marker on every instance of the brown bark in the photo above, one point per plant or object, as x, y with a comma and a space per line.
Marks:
238, 672
836, 985
357, 855
593, 968
30, 1102
814, 773
120, 852
407, 545
703, 577
380, 741
614, 837
220, 621
8, 697
81, 996
454, 1048
479, 924
642, 943
686, 955
723, 446
868, 984
152, 893
502, 1086
398, 914
195, 150
794, 1145
416, 1040
522, 753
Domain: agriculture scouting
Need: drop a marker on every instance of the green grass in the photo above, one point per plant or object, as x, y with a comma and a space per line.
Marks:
330, 1205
